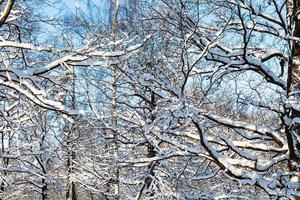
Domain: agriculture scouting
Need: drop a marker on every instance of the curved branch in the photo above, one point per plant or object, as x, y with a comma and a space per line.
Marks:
6, 12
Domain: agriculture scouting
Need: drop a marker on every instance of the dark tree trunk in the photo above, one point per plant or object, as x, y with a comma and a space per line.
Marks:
151, 149
44, 189
293, 88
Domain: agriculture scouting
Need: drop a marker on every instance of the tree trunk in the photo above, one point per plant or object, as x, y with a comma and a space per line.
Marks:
5, 162
151, 149
151, 152
293, 88
71, 193
115, 132
114, 105
44, 189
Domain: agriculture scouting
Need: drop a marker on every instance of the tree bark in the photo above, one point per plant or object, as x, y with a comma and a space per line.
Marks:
293, 88
114, 105
44, 189
71, 193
